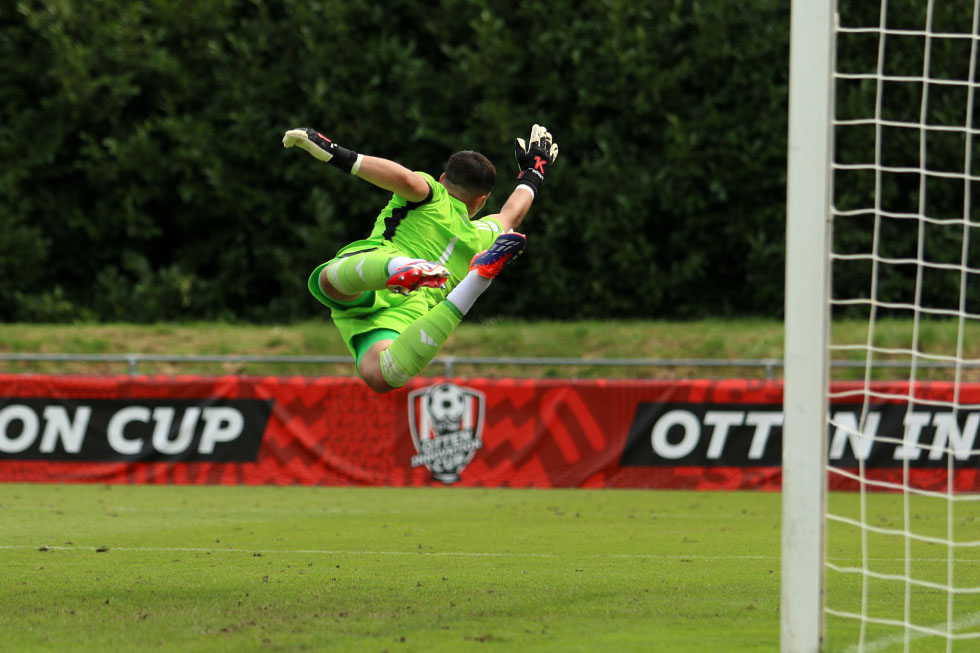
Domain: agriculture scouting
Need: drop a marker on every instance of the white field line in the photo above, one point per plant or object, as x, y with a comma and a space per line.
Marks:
340, 552
882, 643
461, 554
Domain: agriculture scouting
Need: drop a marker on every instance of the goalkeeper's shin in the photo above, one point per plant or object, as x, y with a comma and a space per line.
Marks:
418, 344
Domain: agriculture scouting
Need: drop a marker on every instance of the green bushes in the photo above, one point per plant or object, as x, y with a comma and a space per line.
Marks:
144, 180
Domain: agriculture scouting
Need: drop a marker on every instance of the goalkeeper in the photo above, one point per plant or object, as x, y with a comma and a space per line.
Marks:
398, 295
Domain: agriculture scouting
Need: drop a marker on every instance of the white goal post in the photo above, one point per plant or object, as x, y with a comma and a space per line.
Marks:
882, 270
810, 145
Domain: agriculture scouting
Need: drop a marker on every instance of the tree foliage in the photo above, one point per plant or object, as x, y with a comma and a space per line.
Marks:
144, 179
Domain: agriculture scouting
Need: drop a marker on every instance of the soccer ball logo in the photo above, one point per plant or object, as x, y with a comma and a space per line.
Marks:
446, 404
446, 423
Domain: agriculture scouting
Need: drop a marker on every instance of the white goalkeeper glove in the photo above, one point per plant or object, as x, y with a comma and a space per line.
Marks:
535, 159
323, 148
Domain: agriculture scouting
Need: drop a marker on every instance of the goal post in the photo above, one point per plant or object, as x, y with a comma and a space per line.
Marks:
881, 450
810, 147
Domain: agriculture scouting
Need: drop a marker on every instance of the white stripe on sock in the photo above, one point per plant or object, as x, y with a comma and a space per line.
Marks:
391, 371
335, 280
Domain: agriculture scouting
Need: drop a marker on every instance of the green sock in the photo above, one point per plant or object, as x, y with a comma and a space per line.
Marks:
353, 274
418, 344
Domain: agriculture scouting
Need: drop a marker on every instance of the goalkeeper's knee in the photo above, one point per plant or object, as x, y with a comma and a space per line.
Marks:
369, 368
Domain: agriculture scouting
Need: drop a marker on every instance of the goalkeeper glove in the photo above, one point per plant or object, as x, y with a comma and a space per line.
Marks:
323, 148
535, 159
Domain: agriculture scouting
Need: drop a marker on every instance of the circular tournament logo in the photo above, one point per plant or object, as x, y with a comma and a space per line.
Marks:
446, 422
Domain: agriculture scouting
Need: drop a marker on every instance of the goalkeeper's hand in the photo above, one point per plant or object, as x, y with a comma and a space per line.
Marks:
322, 148
536, 157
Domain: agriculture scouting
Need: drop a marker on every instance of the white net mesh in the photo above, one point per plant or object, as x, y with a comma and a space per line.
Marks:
903, 522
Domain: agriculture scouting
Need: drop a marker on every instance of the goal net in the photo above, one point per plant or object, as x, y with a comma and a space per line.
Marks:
882, 329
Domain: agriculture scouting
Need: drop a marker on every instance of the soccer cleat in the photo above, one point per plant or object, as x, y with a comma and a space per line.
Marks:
417, 274
505, 249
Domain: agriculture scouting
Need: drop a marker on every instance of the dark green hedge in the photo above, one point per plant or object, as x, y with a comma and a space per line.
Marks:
143, 176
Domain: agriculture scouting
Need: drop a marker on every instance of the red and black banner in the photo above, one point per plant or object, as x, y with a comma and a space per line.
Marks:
468, 432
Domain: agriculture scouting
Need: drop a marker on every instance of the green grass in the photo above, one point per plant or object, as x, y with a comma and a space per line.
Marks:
238, 569
584, 339
118, 568
755, 339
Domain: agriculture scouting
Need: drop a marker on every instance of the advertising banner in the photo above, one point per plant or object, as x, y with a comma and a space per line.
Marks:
700, 434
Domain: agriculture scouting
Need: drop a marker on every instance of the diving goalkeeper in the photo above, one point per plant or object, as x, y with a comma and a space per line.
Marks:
398, 295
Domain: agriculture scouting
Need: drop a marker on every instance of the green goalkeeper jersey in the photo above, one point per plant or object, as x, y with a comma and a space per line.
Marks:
436, 229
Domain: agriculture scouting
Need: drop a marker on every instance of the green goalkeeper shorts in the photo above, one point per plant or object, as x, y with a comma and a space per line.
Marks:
378, 310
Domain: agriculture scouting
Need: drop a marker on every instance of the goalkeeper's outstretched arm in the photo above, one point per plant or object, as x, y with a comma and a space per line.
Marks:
383, 173
512, 213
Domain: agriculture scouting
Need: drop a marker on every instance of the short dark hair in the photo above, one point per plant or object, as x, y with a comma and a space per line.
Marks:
471, 171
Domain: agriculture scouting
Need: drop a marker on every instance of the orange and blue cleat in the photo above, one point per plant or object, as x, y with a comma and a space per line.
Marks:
505, 249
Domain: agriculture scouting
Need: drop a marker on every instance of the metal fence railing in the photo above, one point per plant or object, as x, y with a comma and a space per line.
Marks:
448, 363
768, 366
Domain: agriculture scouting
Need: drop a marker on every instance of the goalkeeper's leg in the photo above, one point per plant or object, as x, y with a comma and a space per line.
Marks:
346, 278
390, 364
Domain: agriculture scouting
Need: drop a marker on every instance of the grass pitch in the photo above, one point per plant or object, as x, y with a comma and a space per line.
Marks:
121, 568
115, 568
